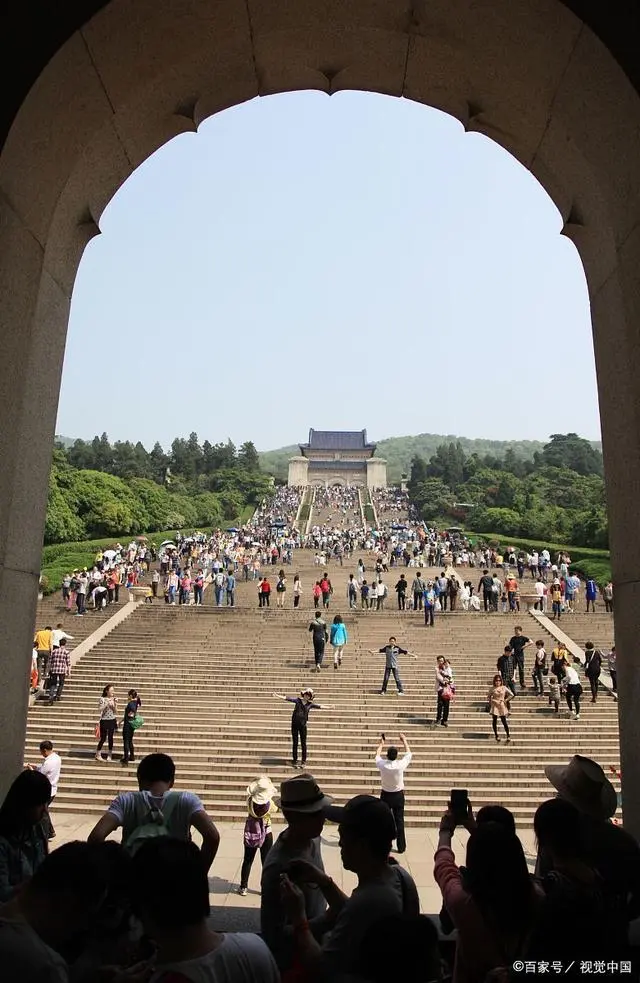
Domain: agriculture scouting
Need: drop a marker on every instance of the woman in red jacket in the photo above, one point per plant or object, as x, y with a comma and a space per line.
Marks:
265, 590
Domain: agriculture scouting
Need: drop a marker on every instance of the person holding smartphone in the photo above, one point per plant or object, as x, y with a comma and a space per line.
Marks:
392, 769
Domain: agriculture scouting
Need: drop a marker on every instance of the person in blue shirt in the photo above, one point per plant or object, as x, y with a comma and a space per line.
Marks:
430, 598
338, 639
591, 590
230, 585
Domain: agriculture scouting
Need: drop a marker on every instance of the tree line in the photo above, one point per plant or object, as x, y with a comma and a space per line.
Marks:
101, 489
558, 495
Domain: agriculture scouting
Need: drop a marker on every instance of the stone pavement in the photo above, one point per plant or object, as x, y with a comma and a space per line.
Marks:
233, 913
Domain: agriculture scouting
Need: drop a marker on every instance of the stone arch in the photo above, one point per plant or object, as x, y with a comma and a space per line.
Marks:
531, 76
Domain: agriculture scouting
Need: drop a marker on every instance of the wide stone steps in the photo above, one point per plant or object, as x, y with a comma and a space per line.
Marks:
206, 676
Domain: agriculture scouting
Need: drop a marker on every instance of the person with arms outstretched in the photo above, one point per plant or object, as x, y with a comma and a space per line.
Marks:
303, 704
391, 651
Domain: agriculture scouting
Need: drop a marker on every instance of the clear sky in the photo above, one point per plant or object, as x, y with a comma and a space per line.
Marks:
337, 263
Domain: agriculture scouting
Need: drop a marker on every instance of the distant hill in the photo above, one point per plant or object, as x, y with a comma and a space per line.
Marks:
398, 451
65, 441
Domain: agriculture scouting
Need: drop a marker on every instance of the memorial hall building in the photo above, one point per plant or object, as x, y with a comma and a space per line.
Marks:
338, 457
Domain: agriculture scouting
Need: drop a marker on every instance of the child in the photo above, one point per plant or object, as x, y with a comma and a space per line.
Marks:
554, 693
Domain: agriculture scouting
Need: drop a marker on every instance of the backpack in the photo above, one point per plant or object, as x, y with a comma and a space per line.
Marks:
152, 821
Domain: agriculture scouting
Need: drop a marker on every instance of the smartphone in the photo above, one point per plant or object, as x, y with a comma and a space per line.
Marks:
459, 802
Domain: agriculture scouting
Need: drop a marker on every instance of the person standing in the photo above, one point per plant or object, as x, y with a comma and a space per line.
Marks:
573, 690
430, 599
128, 729
281, 589
418, 587
486, 585
257, 833
303, 705
499, 698
352, 591
327, 590
43, 644
303, 806
108, 721
506, 668
392, 769
198, 587
540, 668
607, 596
59, 669
338, 638
391, 653
297, 591
591, 593
612, 665
155, 580
51, 766
401, 591
320, 637
556, 600
592, 668
519, 643
445, 690
230, 588
265, 592
559, 661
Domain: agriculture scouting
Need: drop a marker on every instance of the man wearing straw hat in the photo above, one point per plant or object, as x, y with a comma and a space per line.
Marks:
610, 849
257, 828
303, 806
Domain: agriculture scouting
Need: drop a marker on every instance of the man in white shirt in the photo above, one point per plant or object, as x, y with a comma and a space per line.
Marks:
392, 769
51, 767
58, 633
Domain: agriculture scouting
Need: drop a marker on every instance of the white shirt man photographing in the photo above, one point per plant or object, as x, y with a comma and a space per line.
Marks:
392, 769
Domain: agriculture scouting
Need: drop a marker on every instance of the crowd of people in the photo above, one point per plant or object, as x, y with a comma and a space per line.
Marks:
140, 910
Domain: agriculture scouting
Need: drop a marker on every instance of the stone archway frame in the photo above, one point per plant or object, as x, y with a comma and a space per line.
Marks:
529, 75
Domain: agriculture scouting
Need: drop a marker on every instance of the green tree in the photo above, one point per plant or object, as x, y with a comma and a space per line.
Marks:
248, 458
571, 451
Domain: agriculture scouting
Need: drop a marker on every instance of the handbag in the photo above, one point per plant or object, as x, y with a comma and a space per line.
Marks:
96, 732
137, 722
446, 692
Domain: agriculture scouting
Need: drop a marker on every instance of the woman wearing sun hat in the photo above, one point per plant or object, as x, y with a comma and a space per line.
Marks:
257, 828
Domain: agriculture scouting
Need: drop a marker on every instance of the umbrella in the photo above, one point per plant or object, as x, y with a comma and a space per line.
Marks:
109, 554
233, 529
167, 542
141, 539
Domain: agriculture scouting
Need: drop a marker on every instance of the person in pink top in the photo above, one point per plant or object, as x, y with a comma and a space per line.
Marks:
493, 904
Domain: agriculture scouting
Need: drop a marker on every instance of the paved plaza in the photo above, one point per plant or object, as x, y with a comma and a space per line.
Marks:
231, 912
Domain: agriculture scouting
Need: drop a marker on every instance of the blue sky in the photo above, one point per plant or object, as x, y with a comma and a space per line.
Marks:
344, 262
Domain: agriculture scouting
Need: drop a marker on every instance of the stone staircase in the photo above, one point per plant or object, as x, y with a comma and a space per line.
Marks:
206, 676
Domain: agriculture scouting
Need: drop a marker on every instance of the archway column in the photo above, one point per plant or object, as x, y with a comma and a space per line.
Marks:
616, 322
31, 353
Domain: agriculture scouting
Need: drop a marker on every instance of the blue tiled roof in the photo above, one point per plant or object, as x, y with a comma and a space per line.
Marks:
337, 440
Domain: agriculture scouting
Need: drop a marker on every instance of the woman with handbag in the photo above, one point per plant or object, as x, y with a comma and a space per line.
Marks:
131, 721
445, 690
257, 828
107, 722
